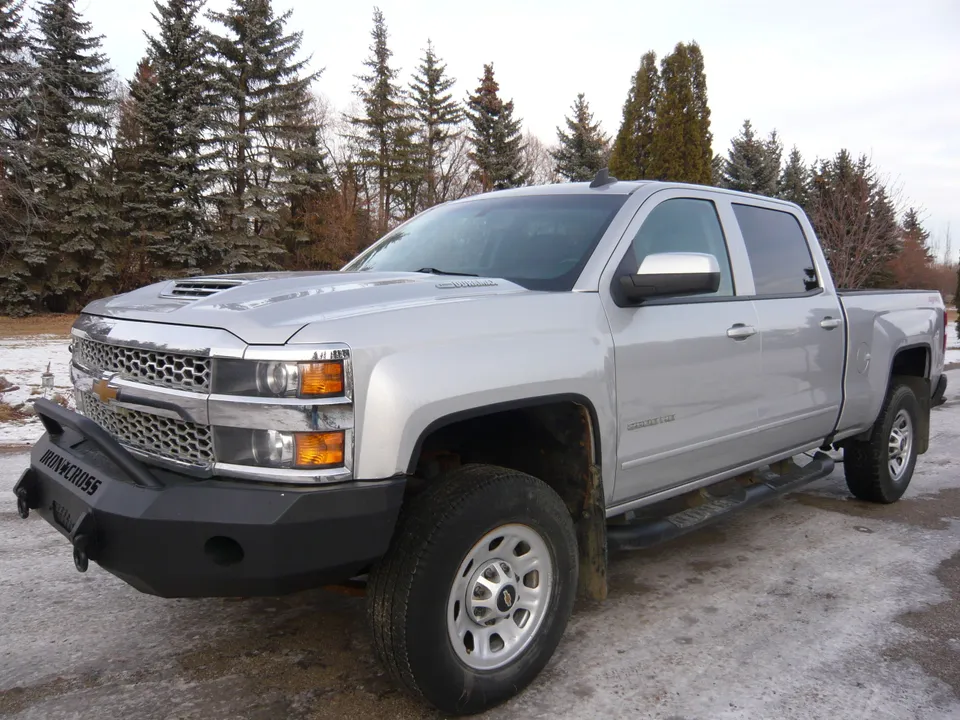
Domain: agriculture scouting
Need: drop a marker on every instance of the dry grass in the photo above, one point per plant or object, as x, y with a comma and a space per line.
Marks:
36, 325
9, 413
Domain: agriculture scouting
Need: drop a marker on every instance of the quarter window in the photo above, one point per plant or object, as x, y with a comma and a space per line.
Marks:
684, 225
778, 251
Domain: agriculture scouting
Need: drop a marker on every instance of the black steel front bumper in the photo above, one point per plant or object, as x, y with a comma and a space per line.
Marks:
174, 536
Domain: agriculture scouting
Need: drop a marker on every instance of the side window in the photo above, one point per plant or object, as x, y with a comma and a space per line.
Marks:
685, 225
778, 251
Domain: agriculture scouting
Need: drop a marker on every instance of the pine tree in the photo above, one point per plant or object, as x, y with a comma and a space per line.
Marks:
681, 148
768, 178
582, 149
701, 143
262, 91
630, 157
135, 172
795, 179
17, 212
744, 166
496, 137
175, 113
74, 237
384, 132
437, 116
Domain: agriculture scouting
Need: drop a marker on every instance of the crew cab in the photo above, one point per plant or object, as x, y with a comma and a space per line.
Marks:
479, 408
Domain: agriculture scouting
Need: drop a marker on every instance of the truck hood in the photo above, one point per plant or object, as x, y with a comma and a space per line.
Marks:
269, 308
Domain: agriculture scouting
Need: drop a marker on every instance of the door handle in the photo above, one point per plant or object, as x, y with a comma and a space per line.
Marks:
741, 332
829, 323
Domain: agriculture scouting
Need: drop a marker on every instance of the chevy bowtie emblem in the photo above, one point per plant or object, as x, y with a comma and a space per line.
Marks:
105, 391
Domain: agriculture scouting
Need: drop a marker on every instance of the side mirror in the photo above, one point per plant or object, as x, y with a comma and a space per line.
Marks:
671, 274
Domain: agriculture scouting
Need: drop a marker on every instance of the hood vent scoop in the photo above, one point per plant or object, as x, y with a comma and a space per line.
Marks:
200, 288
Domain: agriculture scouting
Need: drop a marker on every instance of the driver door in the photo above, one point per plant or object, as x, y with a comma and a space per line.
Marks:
687, 368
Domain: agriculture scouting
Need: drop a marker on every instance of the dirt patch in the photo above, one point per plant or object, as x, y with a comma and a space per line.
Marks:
927, 512
936, 639
36, 325
17, 698
318, 654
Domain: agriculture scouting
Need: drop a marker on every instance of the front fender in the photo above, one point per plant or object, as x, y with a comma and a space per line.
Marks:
432, 363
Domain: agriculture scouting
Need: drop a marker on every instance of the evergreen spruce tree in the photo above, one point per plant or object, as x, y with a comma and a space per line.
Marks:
681, 148
768, 178
17, 212
437, 116
74, 236
716, 170
383, 129
496, 137
630, 157
744, 167
262, 95
175, 114
136, 175
795, 179
582, 149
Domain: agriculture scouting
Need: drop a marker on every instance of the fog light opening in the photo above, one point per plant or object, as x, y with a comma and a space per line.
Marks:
223, 550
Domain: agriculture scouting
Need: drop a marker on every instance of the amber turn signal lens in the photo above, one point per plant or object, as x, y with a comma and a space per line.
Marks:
314, 449
323, 378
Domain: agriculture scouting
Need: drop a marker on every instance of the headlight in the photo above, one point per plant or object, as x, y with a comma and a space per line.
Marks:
276, 449
279, 379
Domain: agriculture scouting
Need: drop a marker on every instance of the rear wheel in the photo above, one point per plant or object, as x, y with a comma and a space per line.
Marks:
880, 469
471, 600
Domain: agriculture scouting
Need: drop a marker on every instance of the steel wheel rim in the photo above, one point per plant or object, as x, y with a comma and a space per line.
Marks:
900, 445
500, 597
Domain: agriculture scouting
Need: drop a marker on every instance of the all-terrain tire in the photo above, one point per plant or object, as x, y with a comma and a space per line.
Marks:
412, 588
867, 462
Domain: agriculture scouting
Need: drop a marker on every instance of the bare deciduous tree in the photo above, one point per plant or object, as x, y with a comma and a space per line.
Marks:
538, 162
855, 216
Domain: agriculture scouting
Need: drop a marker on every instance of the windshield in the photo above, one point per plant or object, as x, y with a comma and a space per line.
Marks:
541, 242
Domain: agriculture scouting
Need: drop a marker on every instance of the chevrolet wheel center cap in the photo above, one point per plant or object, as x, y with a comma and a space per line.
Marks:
506, 598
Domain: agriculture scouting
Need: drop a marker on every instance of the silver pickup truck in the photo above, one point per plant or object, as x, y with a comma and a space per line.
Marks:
477, 409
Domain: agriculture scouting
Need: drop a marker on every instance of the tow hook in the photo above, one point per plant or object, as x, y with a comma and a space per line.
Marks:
26, 493
80, 558
83, 538
23, 504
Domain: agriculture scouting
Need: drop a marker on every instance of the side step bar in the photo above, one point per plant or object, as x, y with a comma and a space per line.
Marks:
646, 533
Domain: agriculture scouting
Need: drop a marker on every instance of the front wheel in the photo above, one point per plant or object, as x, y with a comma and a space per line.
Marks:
471, 600
880, 469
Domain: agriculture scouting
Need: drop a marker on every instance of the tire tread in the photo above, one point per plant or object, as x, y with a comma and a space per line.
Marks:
390, 580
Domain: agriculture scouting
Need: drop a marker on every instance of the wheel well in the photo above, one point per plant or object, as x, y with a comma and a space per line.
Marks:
553, 440
912, 362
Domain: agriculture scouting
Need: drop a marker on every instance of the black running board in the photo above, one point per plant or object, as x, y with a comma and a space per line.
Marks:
646, 533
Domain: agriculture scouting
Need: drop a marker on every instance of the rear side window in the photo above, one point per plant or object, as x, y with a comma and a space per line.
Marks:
778, 251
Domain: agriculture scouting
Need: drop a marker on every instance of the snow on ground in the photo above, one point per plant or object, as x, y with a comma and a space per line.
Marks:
22, 362
811, 607
953, 345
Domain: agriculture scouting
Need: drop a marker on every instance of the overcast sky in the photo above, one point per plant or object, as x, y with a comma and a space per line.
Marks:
881, 77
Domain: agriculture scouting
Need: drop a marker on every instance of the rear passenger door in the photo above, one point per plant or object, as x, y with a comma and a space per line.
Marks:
801, 326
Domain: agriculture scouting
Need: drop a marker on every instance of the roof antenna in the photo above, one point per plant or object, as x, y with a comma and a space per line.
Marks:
603, 178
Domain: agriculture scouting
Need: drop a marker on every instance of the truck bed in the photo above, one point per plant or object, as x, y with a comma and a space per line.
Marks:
879, 325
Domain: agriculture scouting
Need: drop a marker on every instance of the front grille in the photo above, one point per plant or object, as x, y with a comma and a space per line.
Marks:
174, 370
152, 434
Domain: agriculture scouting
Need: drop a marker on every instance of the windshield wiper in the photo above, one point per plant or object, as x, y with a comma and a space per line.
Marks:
434, 271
